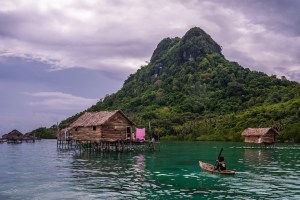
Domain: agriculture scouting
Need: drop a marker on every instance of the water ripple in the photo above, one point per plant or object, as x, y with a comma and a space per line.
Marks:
38, 171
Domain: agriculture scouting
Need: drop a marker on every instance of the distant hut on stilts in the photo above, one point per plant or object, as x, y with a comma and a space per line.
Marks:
29, 137
261, 136
14, 136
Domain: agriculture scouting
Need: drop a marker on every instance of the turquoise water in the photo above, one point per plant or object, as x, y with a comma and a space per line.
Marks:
39, 171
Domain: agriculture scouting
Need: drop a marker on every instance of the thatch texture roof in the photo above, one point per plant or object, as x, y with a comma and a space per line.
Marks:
257, 131
14, 135
96, 118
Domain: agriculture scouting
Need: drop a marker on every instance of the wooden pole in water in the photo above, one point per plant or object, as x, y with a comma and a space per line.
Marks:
57, 131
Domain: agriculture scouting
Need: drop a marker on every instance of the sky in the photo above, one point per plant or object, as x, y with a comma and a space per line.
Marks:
57, 58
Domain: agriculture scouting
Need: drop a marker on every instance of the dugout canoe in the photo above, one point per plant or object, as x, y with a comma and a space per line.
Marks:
210, 168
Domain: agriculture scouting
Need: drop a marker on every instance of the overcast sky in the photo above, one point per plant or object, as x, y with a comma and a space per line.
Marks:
58, 57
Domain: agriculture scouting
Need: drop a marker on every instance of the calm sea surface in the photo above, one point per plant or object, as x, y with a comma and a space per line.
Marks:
39, 171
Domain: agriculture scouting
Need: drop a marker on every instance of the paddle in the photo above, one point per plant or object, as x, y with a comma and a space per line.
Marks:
219, 156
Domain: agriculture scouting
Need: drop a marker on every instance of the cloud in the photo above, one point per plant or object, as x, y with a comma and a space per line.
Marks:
248, 35
27, 121
119, 35
60, 101
81, 50
46, 97
276, 15
40, 109
84, 34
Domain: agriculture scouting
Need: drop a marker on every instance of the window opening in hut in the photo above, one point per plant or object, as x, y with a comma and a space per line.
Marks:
94, 128
76, 129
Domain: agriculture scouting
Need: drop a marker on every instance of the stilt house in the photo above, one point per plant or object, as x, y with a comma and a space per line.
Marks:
101, 126
29, 136
14, 136
260, 135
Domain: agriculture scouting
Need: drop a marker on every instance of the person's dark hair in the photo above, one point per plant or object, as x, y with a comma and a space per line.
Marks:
221, 159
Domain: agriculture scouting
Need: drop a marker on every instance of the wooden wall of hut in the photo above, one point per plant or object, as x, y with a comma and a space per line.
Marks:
86, 133
268, 138
116, 128
251, 139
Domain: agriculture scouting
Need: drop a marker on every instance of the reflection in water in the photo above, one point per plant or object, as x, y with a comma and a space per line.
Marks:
258, 156
175, 174
109, 175
271, 172
139, 167
172, 173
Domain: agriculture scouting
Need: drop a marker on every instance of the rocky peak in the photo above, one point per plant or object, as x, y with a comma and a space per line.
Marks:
163, 47
197, 42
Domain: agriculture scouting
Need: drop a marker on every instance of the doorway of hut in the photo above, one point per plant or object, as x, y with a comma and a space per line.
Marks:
128, 131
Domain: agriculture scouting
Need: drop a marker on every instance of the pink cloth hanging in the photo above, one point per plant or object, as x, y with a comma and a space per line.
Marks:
140, 133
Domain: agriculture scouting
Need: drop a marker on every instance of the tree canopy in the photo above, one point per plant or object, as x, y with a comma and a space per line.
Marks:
190, 91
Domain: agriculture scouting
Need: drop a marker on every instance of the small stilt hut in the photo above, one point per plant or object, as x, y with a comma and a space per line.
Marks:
14, 136
260, 135
29, 137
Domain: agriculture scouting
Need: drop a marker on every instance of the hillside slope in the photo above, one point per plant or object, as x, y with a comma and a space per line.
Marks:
189, 90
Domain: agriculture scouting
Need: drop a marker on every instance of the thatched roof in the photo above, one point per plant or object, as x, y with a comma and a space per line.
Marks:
96, 118
257, 131
14, 135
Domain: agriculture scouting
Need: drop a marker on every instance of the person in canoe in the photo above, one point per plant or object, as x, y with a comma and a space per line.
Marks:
220, 164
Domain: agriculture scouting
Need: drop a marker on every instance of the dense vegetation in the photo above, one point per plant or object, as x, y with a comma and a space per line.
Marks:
189, 91
45, 133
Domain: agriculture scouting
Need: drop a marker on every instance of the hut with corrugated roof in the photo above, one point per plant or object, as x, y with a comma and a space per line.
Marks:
260, 135
104, 125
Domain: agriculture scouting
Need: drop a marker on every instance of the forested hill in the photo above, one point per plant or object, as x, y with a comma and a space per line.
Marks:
190, 91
